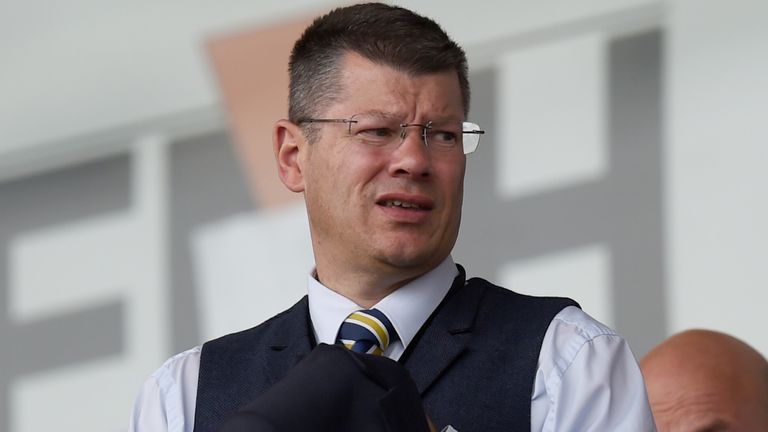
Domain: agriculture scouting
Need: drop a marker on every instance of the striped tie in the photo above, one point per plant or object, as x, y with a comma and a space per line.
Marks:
367, 331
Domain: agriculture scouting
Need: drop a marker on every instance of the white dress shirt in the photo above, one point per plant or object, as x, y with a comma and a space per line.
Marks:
587, 378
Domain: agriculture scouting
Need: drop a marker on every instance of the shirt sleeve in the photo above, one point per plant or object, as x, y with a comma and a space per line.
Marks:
588, 380
166, 401
148, 412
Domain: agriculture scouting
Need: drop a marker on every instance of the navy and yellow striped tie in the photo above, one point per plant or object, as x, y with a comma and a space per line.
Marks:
367, 331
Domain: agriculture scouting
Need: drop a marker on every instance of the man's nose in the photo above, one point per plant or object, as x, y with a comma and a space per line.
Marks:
411, 157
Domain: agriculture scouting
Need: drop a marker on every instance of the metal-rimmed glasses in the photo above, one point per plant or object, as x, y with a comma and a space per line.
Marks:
383, 131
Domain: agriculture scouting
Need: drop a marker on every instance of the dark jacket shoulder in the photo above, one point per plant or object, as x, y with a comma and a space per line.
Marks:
504, 310
268, 332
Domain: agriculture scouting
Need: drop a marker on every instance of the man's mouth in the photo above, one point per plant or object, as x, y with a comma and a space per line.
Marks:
407, 208
406, 201
403, 204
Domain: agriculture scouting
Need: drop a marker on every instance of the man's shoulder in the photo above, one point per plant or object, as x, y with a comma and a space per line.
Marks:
568, 317
508, 317
582, 325
568, 328
264, 332
178, 364
500, 299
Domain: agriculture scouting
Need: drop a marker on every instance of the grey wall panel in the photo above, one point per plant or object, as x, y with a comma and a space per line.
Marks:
205, 185
59, 197
622, 210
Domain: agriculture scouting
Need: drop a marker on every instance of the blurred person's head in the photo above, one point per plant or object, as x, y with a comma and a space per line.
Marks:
705, 381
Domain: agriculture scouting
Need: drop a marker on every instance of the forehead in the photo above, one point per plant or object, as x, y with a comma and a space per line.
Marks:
367, 86
695, 402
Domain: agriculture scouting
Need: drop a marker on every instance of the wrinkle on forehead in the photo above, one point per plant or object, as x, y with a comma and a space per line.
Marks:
369, 86
705, 379
692, 411
403, 116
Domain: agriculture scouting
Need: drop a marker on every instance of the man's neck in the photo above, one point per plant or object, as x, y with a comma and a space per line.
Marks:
364, 289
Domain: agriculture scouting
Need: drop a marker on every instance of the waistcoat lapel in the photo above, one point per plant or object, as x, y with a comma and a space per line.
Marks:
286, 348
444, 336
237, 368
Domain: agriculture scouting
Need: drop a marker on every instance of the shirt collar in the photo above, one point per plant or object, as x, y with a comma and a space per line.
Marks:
407, 307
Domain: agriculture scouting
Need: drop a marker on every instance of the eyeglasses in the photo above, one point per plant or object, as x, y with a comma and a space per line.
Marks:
381, 131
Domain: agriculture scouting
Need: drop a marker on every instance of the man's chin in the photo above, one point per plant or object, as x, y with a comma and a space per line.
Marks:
413, 263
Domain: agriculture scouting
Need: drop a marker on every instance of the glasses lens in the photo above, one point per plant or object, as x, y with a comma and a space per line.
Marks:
471, 137
443, 136
385, 131
373, 130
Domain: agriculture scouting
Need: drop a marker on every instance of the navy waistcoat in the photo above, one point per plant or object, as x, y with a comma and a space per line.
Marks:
474, 361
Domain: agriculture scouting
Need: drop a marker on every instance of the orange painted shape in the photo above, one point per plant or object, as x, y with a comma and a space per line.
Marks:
252, 71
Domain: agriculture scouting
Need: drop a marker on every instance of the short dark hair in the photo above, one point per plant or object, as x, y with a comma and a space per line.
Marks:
381, 33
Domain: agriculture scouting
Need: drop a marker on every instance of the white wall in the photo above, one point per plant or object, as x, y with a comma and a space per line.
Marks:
75, 67
71, 68
717, 178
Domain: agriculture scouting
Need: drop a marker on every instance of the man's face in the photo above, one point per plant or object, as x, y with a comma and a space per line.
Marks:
352, 189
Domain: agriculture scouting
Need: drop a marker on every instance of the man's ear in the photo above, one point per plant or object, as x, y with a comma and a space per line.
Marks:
289, 144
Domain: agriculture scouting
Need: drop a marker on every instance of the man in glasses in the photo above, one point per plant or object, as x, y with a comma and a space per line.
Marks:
376, 140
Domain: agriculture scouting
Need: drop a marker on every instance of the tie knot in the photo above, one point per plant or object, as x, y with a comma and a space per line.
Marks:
367, 331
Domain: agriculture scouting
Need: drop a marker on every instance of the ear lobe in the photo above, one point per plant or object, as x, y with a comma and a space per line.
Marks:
287, 143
